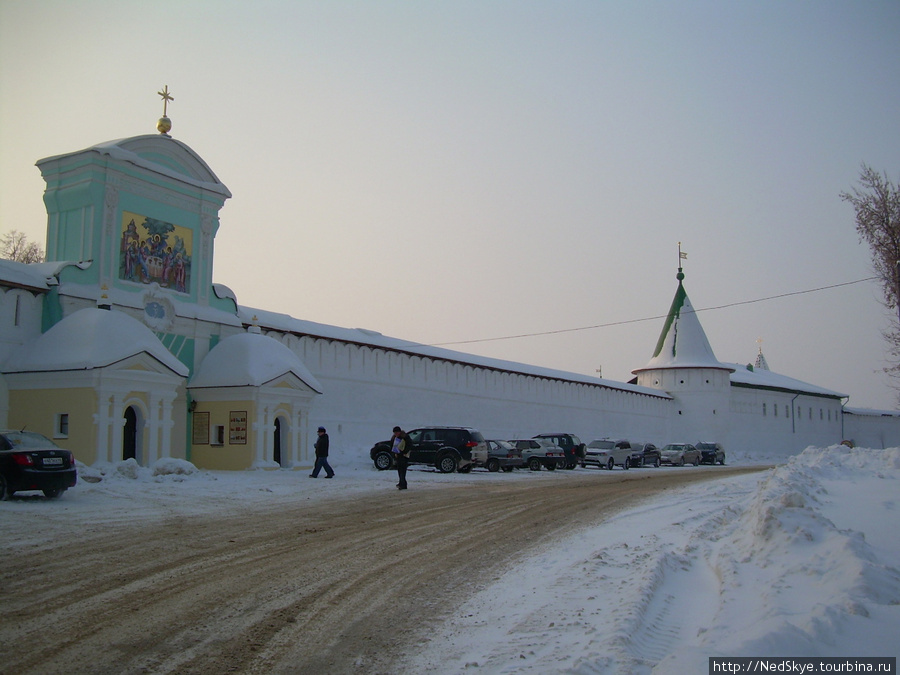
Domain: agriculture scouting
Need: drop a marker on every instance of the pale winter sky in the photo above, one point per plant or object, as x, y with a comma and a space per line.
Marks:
463, 170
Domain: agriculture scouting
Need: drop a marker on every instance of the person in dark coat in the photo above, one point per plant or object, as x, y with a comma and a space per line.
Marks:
322, 456
400, 447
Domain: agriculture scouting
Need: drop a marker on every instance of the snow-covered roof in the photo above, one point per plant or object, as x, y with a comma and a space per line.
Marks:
362, 336
159, 153
250, 359
683, 342
766, 379
33, 276
91, 338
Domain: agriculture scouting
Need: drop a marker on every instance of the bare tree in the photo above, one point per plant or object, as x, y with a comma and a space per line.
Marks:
15, 246
877, 204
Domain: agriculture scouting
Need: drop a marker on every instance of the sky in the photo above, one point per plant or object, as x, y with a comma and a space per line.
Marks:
456, 172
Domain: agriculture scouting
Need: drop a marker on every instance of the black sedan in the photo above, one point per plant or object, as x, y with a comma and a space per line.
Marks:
29, 461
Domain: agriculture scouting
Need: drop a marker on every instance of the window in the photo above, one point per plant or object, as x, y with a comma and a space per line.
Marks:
218, 437
764, 409
62, 426
787, 411
775, 409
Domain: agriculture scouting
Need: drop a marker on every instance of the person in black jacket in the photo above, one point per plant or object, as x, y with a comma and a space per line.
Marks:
400, 446
322, 456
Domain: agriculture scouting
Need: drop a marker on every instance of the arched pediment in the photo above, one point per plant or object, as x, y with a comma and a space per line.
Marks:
166, 155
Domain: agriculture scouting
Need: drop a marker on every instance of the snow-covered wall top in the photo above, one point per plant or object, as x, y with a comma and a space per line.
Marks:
766, 379
361, 336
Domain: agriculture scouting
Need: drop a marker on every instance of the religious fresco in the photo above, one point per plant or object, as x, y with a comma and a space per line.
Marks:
153, 251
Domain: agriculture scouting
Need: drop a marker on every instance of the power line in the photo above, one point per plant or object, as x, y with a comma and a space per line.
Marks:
651, 318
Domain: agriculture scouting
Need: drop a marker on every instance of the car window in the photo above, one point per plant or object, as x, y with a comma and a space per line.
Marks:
415, 436
476, 436
603, 445
451, 436
28, 439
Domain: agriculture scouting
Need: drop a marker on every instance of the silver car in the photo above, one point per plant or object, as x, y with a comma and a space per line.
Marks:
679, 454
605, 454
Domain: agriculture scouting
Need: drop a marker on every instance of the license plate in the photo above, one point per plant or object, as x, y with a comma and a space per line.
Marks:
53, 461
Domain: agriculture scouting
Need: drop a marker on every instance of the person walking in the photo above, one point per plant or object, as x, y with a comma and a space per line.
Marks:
322, 456
400, 447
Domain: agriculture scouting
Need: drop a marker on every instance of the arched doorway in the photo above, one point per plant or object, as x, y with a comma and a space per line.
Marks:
131, 435
276, 446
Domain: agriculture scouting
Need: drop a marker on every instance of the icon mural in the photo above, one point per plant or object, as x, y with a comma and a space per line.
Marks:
155, 251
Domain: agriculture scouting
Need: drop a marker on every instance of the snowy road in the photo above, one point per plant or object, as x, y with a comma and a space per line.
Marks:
342, 584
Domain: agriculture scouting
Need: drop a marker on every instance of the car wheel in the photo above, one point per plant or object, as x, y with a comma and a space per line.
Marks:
4, 489
680, 462
507, 469
656, 463
551, 466
53, 494
722, 461
383, 460
493, 465
610, 464
465, 469
534, 464
627, 464
447, 463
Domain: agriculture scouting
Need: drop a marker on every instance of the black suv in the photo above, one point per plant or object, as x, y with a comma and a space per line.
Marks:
571, 445
711, 453
448, 449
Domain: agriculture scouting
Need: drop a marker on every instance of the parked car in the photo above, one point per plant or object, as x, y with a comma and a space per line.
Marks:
605, 453
448, 449
538, 452
503, 455
571, 445
649, 454
679, 454
30, 461
711, 453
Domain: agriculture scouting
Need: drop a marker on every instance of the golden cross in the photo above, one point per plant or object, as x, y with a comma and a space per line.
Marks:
166, 97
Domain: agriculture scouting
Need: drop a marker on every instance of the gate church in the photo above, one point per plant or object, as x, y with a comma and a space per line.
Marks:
120, 346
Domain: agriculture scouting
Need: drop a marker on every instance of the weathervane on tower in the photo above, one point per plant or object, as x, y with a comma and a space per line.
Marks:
681, 256
164, 124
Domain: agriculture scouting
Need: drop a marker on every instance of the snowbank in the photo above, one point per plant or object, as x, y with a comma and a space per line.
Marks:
801, 562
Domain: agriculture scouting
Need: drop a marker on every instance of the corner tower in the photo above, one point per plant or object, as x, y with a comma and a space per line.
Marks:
685, 366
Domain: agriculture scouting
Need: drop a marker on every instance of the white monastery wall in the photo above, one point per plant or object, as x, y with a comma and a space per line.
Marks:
762, 418
368, 390
20, 319
873, 430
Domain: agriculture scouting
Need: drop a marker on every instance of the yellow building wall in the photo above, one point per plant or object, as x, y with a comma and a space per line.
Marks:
229, 456
37, 410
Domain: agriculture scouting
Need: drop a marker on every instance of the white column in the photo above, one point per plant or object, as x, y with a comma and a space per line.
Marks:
152, 454
166, 423
117, 424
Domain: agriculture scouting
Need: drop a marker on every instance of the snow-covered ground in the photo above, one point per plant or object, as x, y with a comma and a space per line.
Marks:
799, 560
